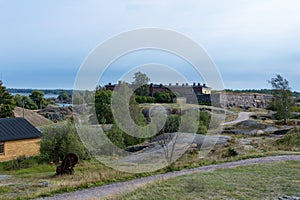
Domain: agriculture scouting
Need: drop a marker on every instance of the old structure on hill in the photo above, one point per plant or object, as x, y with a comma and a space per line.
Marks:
18, 138
200, 93
192, 93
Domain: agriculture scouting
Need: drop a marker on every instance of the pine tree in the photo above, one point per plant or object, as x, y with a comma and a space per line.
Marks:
7, 103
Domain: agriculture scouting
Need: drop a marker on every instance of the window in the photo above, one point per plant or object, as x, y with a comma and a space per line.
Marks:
1, 148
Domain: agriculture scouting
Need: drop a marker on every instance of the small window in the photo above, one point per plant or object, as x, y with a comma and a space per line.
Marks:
1, 148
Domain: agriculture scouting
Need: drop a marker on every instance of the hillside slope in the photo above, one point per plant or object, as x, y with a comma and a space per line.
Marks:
34, 118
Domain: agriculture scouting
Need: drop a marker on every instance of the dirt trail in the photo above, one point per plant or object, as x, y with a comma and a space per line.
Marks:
128, 186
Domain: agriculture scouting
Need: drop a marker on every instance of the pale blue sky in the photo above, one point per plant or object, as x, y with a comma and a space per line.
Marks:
43, 43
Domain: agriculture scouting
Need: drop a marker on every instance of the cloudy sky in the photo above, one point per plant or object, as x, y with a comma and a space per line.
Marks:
44, 43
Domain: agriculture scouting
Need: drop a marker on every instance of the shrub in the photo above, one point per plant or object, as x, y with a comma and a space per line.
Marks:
21, 162
289, 141
60, 139
230, 152
295, 109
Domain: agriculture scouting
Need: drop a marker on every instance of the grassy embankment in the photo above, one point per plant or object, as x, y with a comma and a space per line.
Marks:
260, 181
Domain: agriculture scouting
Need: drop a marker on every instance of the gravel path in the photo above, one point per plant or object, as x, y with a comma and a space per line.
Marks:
243, 116
124, 187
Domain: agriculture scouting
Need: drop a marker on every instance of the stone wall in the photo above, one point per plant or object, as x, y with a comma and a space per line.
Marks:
16, 148
242, 100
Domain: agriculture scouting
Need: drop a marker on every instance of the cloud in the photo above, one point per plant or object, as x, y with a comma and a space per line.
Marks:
248, 37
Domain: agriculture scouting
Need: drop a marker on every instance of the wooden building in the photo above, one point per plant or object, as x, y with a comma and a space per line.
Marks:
18, 138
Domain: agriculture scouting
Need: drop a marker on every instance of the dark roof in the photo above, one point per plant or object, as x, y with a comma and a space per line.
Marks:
17, 129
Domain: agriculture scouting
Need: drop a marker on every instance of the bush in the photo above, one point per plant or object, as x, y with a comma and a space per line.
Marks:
230, 152
289, 141
61, 139
21, 162
295, 109
145, 99
202, 130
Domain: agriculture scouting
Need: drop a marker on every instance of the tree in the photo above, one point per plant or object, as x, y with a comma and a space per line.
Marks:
282, 98
141, 83
63, 96
38, 97
102, 107
25, 101
7, 103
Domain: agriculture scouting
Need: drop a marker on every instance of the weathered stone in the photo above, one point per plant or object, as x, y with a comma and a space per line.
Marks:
56, 113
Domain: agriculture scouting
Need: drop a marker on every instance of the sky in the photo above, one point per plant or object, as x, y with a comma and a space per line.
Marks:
44, 43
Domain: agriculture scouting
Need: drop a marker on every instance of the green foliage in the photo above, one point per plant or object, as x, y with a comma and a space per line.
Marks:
7, 103
77, 98
204, 118
122, 139
145, 99
20, 163
103, 107
172, 124
25, 101
189, 123
120, 104
63, 96
230, 152
141, 83
282, 98
37, 97
164, 97
295, 109
60, 139
289, 141
202, 130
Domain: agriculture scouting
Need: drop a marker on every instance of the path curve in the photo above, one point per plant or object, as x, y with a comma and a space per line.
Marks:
128, 186
243, 116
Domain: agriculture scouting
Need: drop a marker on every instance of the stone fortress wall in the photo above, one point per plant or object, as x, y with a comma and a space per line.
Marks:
242, 100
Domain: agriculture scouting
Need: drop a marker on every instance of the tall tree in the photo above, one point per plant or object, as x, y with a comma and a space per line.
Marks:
282, 97
141, 83
38, 97
7, 103
102, 107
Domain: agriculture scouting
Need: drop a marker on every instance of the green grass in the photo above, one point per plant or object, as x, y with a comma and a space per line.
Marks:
27, 181
262, 181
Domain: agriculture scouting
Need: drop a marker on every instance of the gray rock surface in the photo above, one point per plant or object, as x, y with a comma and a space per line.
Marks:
56, 113
296, 197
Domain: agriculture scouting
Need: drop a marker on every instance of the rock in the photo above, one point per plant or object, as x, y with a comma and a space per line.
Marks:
250, 124
270, 129
5, 177
56, 113
244, 132
285, 197
209, 141
137, 147
45, 184
283, 131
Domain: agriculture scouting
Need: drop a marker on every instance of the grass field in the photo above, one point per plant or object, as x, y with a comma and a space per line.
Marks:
261, 181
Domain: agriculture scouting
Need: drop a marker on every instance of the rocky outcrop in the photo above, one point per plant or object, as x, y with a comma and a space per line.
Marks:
199, 141
56, 113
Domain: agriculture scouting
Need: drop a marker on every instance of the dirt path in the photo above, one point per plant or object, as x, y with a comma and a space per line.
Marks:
128, 186
243, 116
